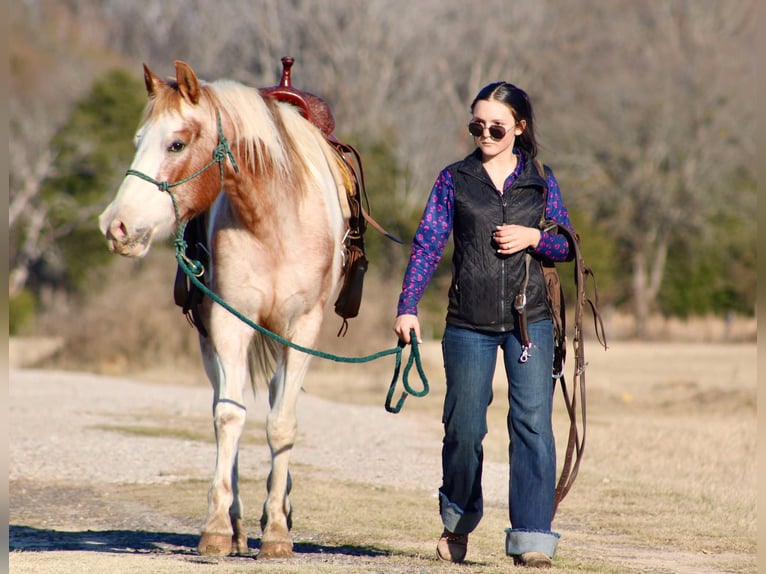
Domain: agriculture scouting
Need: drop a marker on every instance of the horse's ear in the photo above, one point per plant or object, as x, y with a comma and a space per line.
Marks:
188, 84
152, 82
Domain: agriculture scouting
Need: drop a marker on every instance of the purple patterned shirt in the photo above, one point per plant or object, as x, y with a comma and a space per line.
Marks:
436, 227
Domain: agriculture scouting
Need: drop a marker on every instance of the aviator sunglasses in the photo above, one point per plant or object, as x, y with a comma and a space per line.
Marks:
496, 132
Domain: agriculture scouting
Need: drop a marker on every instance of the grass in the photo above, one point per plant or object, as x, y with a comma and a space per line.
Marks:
668, 480
388, 527
157, 432
669, 464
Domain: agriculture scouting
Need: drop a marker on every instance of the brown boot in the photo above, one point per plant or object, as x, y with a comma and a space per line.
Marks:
452, 547
533, 560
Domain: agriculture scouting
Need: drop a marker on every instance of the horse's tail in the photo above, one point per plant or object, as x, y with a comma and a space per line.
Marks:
262, 358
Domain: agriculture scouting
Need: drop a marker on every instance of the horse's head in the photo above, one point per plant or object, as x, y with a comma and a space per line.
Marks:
175, 140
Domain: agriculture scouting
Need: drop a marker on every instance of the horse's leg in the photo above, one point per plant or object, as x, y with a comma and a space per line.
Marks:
281, 428
227, 368
236, 513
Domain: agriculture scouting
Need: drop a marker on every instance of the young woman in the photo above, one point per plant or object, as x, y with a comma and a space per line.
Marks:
492, 203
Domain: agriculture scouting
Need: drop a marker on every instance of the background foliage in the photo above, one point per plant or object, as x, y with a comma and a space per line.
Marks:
649, 131
93, 147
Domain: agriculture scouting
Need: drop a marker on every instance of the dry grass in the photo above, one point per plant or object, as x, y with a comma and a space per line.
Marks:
375, 528
670, 459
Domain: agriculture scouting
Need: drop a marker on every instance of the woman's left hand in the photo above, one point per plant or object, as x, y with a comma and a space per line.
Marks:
514, 238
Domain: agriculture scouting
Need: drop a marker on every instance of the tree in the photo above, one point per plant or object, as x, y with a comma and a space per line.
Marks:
718, 279
61, 242
52, 61
664, 126
95, 146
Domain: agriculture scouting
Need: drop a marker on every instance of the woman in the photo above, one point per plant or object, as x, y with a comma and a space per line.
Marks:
492, 202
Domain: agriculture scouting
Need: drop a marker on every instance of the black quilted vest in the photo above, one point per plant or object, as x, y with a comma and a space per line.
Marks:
485, 283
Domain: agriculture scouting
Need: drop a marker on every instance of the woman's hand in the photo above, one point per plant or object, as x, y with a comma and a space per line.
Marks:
514, 238
403, 325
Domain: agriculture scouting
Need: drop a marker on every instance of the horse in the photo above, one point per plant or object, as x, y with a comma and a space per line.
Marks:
276, 214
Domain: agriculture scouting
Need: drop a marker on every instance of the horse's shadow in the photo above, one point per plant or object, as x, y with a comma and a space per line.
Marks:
30, 539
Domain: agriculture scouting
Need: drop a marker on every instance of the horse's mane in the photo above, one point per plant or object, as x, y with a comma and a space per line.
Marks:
267, 134
270, 139
254, 123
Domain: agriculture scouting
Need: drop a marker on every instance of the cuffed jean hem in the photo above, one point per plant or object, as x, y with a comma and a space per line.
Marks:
454, 519
519, 540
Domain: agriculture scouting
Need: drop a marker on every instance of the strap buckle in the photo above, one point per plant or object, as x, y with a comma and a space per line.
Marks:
525, 353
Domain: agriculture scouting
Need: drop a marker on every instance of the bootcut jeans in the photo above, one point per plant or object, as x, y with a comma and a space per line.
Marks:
469, 363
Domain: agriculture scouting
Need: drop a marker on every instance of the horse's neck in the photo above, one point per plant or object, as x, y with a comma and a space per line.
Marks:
255, 206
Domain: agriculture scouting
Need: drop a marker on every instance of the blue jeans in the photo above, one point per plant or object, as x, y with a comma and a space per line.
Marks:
469, 362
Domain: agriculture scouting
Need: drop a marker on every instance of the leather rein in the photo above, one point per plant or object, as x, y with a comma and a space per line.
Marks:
576, 439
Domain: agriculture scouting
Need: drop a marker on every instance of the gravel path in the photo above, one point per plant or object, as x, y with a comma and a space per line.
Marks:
56, 422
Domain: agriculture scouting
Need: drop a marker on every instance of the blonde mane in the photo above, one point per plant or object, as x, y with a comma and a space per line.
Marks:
267, 134
254, 125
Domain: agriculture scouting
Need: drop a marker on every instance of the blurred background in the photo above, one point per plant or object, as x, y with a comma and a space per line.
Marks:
645, 111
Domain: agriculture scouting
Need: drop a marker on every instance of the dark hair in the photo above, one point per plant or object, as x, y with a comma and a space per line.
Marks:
518, 100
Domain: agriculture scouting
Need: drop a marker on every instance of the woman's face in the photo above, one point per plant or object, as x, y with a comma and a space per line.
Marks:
494, 113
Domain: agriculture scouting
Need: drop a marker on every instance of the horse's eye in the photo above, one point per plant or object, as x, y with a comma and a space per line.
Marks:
176, 146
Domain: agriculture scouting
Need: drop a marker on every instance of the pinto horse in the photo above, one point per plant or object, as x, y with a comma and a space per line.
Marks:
277, 214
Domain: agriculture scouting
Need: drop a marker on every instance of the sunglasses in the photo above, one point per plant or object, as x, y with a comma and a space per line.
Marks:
476, 129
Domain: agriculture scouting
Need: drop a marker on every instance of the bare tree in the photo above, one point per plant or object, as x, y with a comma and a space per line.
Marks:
657, 122
393, 70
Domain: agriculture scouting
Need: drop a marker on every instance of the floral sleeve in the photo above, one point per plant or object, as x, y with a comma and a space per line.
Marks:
553, 246
428, 244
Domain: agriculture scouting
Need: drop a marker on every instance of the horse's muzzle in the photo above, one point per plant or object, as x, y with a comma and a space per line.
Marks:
120, 240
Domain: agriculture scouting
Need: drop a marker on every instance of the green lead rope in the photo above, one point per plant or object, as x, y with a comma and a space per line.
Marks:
194, 270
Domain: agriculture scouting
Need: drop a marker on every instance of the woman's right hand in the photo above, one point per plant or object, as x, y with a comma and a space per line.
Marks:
404, 324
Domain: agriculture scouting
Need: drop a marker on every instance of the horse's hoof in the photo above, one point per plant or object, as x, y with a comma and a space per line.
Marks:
271, 550
215, 544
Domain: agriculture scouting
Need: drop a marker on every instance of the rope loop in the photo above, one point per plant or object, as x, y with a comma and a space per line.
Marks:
408, 390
